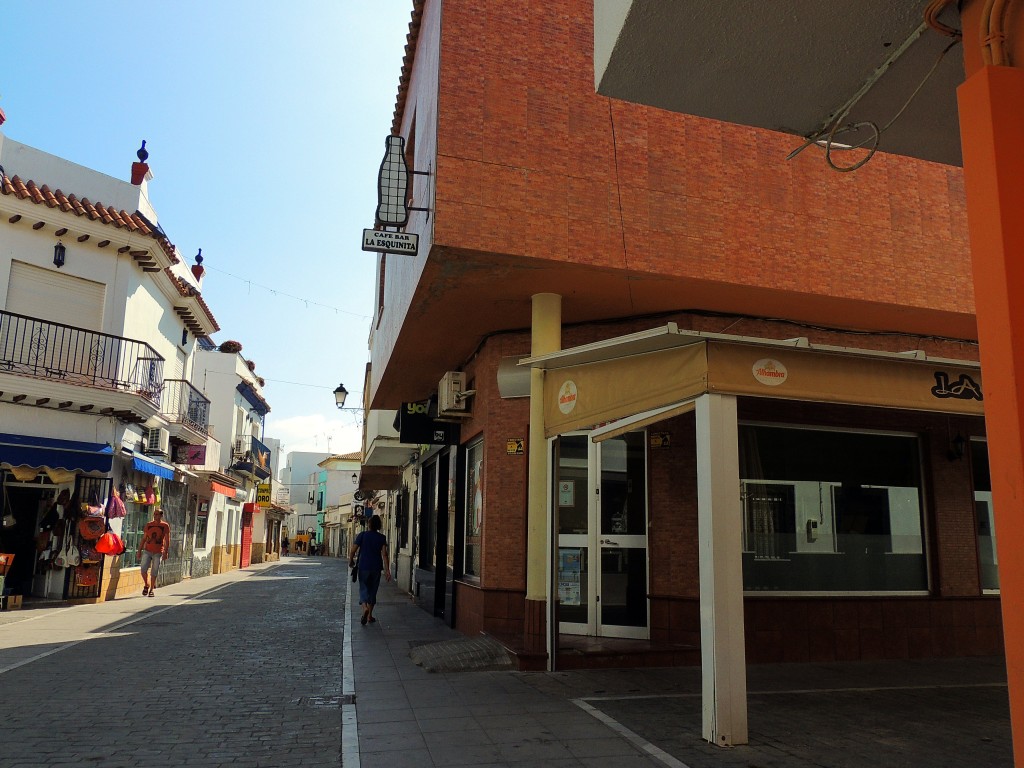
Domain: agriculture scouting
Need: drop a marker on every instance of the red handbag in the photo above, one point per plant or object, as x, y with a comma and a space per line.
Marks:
87, 575
109, 544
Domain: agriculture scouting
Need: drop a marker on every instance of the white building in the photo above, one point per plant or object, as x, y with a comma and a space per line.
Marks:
98, 329
242, 531
337, 483
301, 489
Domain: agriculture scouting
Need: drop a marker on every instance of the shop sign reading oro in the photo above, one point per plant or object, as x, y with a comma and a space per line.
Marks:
263, 495
770, 372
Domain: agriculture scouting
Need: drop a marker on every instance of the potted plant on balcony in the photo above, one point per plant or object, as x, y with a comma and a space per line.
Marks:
230, 346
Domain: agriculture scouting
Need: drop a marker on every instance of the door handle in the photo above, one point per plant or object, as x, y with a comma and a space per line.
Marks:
609, 541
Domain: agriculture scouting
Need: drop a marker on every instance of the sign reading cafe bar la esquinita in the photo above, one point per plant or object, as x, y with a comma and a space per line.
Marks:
392, 207
390, 242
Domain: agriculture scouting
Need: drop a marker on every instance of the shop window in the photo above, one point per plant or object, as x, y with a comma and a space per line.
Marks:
202, 524
988, 559
474, 508
829, 511
402, 519
136, 517
428, 517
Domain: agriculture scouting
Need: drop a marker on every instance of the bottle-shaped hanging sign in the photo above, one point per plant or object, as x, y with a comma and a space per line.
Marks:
392, 183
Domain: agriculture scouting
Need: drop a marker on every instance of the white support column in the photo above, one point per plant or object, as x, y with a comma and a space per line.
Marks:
720, 528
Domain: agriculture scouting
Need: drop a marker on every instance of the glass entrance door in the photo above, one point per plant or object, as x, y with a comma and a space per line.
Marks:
601, 506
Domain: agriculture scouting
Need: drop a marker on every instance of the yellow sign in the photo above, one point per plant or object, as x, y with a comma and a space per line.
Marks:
263, 494
514, 446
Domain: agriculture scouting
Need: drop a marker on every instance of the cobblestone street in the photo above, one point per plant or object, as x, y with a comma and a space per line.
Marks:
242, 669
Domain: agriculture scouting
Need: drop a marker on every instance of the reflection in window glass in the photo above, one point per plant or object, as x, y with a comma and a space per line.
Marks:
624, 586
474, 507
624, 485
831, 511
988, 560
573, 576
572, 491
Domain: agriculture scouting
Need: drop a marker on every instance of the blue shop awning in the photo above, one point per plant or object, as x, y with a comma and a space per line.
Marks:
70, 455
148, 464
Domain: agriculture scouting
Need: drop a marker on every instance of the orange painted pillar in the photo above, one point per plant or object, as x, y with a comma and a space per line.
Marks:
992, 133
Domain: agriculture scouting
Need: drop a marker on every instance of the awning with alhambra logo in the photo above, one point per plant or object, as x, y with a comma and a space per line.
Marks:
652, 375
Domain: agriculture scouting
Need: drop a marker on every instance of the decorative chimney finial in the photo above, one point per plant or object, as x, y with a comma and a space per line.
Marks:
197, 268
140, 171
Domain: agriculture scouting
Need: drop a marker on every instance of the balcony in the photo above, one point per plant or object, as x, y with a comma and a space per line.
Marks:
51, 365
383, 452
251, 458
187, 411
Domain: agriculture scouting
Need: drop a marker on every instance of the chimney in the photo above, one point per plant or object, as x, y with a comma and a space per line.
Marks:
197, 268
140, 171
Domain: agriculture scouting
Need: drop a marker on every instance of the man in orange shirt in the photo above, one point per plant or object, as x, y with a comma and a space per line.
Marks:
156, 538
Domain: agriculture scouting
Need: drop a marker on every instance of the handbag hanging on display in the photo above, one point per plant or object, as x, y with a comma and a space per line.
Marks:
61, 558
87, 575
110, 544
72, 557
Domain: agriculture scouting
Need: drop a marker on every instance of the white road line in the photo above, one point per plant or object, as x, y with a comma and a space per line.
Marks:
349, 719
658, 754
667, 759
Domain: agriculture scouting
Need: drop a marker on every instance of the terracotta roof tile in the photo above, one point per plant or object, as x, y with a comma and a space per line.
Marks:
185, 289
410, 52
133, 222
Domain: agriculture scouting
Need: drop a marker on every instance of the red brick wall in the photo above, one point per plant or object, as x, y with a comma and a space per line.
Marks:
532, 162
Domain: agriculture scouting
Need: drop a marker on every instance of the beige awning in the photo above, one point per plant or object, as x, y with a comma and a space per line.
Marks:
647, 377
640, 420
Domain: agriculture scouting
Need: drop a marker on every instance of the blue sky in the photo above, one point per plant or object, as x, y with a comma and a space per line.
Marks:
265, 123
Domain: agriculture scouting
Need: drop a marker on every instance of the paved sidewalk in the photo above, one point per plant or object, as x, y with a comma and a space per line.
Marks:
925, 714
270, 667
409, 717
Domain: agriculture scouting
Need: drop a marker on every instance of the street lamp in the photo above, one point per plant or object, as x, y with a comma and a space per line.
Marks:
339, 396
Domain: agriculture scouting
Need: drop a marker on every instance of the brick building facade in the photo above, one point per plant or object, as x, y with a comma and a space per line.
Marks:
638, 217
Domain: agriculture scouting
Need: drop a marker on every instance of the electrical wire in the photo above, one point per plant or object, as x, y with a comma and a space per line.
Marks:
826, 135
992, 36
931, 18
278, 292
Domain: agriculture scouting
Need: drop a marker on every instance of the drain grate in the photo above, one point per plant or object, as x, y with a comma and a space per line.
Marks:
322, 702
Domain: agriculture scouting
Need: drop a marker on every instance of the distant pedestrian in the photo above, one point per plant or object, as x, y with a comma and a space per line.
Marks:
284, 546
156, 538
372, 547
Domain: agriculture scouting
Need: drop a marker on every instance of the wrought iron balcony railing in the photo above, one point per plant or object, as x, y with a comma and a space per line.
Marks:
184, 404
34, 347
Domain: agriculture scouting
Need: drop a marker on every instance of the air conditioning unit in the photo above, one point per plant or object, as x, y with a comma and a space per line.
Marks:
241, 447
452, 394
155, 442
